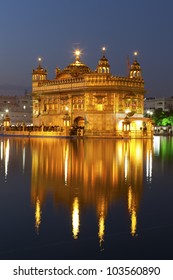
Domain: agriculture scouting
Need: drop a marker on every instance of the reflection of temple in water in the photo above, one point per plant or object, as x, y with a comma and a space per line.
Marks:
88, 173
81, 174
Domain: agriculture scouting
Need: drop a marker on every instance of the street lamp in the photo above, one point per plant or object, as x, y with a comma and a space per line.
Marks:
150, 113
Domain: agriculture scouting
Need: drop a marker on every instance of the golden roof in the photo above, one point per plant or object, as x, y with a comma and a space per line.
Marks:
103, 62
77, 68
135, 65
39, 70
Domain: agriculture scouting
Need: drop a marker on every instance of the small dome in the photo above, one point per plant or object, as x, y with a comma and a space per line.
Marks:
103, 62
103, 65
39, 70
135, 70
39, 74
135, 65
7, 118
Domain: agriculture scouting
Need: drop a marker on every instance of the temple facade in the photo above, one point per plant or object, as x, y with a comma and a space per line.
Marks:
91, 102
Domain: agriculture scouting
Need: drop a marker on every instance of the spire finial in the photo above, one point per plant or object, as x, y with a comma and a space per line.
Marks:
135, 53
39, 60
77, 54
103, 50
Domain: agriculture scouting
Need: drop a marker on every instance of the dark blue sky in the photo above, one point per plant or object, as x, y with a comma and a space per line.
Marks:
53, 28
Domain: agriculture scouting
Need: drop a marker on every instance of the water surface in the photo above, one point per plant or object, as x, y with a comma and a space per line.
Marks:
86, 199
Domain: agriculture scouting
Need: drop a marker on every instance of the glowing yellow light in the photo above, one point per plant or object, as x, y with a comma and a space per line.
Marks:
120, 125
132, 211
39, 59
101, 228
138, 153
37, 215
66, 166
75, 218
135, 53
101, 223
100, 107
77, 52
103, 50
126, 164
138, 123
130, 199
133, 222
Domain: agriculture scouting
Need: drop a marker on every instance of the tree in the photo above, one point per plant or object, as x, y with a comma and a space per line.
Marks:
162, 118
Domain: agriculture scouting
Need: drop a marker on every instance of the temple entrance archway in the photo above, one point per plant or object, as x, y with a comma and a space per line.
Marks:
79, 122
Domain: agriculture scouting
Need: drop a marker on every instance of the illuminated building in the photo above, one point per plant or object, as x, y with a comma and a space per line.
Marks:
17, 108
96, 101
154, 103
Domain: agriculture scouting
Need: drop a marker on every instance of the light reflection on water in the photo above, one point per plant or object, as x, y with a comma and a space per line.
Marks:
37, 215
80, 176
88, 173
6, 156
75, 218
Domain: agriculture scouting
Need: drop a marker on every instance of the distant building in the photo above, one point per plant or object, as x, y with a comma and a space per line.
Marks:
153, 103
96, 101
17, 108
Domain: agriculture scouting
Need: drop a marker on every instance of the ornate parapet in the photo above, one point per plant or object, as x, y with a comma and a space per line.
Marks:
88, 81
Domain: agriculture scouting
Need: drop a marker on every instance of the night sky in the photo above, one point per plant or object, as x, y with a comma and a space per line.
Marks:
52, 29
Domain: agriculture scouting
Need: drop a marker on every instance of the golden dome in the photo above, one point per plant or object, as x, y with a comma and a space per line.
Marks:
103, 65
103, 62
39, 70
75, 69
135, 65
135, 70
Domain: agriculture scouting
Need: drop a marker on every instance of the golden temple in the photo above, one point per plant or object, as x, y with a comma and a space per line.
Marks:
80, 101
